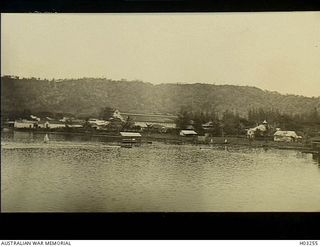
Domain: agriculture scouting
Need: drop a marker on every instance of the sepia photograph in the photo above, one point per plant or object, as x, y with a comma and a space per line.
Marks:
160, 112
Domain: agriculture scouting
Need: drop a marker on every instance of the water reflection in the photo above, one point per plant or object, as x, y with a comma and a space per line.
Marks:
316, 158
86, 174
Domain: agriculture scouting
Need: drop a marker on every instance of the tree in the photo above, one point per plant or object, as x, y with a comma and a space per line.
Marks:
25, 114
128, 124
106, 113
184, 118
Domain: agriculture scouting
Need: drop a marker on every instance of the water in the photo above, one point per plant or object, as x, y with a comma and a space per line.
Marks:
83, 174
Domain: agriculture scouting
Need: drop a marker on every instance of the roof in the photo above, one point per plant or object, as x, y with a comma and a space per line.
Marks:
260, 127
208, 124
25, 121
188, 132
150, 118
286, 133
130, 134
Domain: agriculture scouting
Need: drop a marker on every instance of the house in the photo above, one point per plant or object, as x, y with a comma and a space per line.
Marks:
54, 124
50, 124
130, 138
188, 133
149, 120
74, 125
208, 126
24, 124
130, 135
286, 136
258, 130
98, 123
159, 128
117, 114
42, 124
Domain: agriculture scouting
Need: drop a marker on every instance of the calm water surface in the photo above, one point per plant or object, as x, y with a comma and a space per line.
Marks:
83, 174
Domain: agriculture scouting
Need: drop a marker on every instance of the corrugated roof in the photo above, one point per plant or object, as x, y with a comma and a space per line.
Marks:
188, 132
150, 118
130, 134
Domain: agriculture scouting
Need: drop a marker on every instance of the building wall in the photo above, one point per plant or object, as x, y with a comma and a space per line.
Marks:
43, 125
283, 139
22, 125
55, 126
75, 125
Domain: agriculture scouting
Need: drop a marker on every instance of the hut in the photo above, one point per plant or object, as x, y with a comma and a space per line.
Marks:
128, 139
188, 136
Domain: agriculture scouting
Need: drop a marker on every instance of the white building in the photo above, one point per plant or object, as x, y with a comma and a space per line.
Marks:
285, 136
24, 124
149, 120
97, 123
51, 124
188, 133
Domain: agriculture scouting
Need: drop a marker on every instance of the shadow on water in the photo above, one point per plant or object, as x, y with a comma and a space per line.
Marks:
316, 158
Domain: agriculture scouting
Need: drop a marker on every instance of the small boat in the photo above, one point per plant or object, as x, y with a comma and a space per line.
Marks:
206, 148
46, 139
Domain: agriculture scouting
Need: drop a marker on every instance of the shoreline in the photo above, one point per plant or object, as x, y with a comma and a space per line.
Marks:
176, 139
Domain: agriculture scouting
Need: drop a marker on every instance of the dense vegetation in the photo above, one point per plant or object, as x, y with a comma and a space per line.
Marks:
230, 108
230, 123
87, 96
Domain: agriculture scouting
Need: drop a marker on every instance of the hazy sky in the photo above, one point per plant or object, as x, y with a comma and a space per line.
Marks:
273, 51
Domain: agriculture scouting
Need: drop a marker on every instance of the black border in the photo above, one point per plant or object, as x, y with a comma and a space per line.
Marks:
134, 6
235, 226
154, 226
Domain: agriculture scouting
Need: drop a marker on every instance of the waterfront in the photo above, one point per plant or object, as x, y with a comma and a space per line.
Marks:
85, 174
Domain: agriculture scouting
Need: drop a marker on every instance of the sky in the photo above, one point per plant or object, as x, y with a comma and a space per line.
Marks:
275, 51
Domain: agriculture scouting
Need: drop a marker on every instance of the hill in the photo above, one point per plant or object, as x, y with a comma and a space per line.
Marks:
88, 95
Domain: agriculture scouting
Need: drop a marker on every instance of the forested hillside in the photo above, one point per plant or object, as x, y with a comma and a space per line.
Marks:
87, 96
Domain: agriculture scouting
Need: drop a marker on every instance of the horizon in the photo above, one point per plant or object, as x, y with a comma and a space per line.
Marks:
273, 51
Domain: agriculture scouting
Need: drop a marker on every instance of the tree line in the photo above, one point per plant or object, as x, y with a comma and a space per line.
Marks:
231, 123
218, 124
